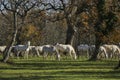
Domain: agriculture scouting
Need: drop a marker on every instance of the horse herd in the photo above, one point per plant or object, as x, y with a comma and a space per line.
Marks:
105, 51
44, 50
57, 50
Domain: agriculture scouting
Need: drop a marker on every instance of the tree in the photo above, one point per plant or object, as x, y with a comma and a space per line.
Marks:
106, 22
105, 19
5, 30
16, 7
32, 33
71, 10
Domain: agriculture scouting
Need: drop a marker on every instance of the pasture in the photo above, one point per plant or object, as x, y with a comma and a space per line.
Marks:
36, 68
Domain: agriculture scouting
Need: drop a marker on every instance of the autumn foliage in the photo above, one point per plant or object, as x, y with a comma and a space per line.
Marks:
32, 33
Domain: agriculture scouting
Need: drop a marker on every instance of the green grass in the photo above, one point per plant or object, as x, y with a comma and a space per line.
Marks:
66, 69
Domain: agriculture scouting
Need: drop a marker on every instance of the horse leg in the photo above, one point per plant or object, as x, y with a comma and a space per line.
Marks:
70, 53
57, 55
37, 53
26, 54
118, 53
51, 55
44, 55
87, 53
105, 54
17, 54
112, 54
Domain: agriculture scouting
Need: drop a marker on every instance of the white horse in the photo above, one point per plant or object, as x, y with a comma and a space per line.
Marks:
66, 48
46, 50
22, 48
102, 52
83, 48
112, 50
2, 48
33, 51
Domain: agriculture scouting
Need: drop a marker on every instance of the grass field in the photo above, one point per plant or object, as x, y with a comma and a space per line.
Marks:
38, 69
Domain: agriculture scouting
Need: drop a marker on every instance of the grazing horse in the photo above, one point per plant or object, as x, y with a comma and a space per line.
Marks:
66, 48
33, 51
102, 52
46, 50
22, 48
112, 50
83, 49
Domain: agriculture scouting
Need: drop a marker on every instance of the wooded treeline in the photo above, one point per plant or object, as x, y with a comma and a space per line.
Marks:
65, 21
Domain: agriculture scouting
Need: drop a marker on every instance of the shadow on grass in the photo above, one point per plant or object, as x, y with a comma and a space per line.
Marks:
70, 75
29, 78
49, 65
62, 67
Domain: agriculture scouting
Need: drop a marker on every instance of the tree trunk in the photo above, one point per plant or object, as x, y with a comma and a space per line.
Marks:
18, 36
70, 32
76, 42
97, 44
70, 35
19, 31
9, 47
